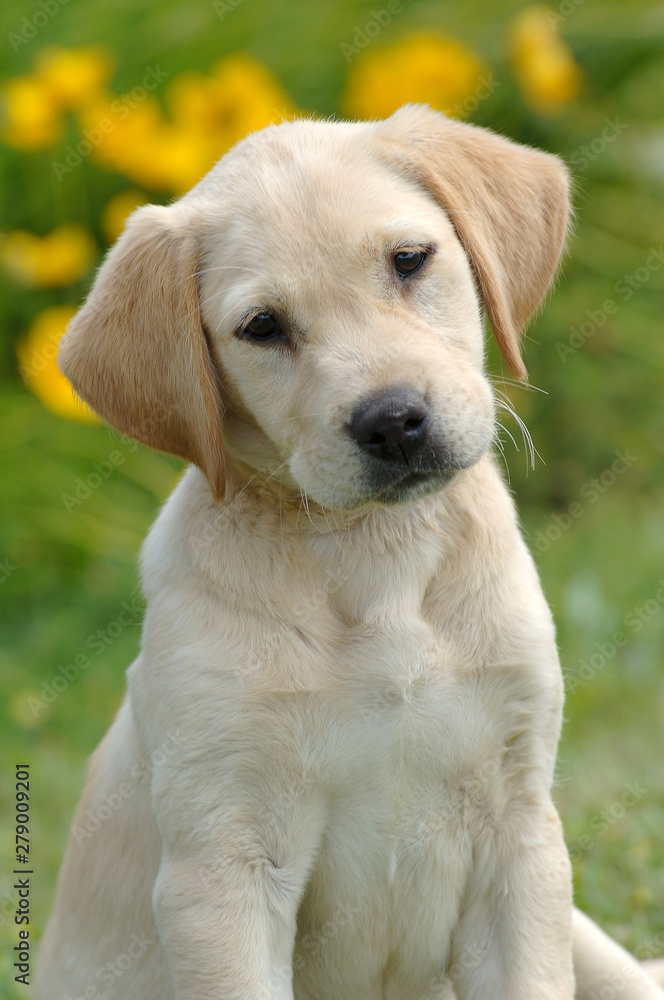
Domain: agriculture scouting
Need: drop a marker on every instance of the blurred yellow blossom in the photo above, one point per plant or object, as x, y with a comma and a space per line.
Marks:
125, 133
60, 258
130, 133
32, 105
421, 68
179, 157
207, 115
210, 113
141, 144
246, 97
30, 117
239, 96
37, 354
75, 76
544, 66
117, 210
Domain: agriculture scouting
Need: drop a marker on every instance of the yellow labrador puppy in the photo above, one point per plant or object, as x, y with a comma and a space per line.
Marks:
330, 779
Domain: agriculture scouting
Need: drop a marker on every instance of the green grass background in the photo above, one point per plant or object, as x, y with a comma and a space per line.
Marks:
73, 570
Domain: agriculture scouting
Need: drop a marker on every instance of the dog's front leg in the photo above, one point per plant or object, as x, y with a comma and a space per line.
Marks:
227, 925
238, 845
515, 936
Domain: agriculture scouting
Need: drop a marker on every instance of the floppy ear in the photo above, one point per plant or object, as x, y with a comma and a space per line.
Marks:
137, 351
508, 203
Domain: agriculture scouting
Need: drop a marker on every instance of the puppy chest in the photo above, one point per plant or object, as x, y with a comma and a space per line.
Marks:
373, 795
419, 755
401, 771
411, 789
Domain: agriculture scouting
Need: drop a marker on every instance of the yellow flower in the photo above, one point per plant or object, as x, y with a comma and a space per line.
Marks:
421, 68
31, 118
239, 96
190, 101
126, 131
117, 210
544, 66
163, 157
208, 114
247, 97
37, 353
60, 258
75, 76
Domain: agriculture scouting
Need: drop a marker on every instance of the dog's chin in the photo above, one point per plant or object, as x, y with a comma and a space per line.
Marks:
391, 487
414, 486
399, 491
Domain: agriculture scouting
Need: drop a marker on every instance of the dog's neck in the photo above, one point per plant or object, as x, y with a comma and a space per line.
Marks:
466, 509
301, 512
378, 563
367, 562
273, 492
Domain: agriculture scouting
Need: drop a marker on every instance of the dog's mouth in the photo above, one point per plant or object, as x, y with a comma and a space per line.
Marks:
415, 483
392, 484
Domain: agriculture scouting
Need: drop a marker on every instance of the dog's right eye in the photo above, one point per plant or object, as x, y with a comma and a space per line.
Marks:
263, 327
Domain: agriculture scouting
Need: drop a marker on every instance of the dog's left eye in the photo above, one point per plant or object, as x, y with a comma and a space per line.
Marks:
262, 327
408, 261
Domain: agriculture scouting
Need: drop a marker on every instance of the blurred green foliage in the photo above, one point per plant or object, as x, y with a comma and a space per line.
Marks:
599, 366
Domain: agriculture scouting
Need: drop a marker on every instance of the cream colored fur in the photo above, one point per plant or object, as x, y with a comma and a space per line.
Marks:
331, 776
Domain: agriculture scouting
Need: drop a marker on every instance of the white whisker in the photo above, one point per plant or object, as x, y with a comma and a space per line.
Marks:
506, 380
504, 403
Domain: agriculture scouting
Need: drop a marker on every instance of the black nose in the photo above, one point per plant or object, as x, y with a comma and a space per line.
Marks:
391, 426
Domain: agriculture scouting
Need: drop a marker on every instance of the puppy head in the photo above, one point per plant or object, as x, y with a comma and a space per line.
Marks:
319, 296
